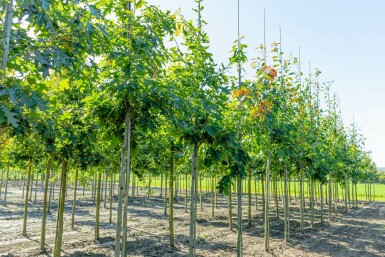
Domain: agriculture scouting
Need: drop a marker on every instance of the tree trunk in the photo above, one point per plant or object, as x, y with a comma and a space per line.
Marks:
230, 204
312, 202
161, 184
321, 202
330, 198
165, 196
105, 189
212, 197
60, 220
128, 171
50, 193
37, 180
286, 208
239, 217
26, 198
200, 192
193, 202
98, 197
302, 198
110, 192
266, 214
185, 196
44, 219
171, 198
249, 197
121, 191
74, 201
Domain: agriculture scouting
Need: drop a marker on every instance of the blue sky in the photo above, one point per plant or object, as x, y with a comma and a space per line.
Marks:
344, 39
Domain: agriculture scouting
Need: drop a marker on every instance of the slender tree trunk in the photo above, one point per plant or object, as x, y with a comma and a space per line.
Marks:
267, 210
161, 184
26, 198
302, 198
256, 194
110, 192
128, 171
286, 208
216, 195
34, 199
200, 192
230, 203
175, 196
31, 187
105, 189
98, 197
24, 183
275, 191
74, 201
212, 197
171, 198
263, 183
165, 196
185, 198
239, 217
60, 220
121, 191
321, 202
50, 191
193, 213
249, 198
312, 201
44, 219
330, 198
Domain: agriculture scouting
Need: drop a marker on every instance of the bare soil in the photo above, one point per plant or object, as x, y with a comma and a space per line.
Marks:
359, 232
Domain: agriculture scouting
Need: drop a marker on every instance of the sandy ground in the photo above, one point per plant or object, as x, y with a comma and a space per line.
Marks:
360, 232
